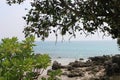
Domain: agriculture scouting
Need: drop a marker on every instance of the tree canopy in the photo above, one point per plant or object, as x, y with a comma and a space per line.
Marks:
70, 16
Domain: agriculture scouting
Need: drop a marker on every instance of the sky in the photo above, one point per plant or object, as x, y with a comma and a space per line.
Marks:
12, 24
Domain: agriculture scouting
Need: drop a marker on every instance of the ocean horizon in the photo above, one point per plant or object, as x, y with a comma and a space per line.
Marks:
77, 49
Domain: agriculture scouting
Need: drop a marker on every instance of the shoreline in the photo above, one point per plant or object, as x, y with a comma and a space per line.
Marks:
85, 75
84, 69
63, 61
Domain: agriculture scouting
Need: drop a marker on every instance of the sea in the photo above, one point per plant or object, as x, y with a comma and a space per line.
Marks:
77, 49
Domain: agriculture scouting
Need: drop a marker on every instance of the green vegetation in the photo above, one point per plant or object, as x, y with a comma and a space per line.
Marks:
18, 61
70, 16
53, 75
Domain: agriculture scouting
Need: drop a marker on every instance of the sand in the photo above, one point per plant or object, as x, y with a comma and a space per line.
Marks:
66, 61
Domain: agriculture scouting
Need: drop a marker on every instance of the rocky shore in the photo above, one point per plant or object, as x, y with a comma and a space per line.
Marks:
95, 68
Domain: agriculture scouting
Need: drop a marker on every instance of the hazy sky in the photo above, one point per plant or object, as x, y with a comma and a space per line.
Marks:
12, 24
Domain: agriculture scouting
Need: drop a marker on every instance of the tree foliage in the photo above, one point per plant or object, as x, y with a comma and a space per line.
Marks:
70, 16
18, 61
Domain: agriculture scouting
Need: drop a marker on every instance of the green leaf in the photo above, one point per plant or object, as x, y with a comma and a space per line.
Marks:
2, 78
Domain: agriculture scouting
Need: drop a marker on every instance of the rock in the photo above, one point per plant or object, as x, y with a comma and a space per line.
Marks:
107, 62
88, 64
98, 60
69, 68
71, 75
63, 67
116, 68
75, 73
112, 66
59, 57
99, 67
116, 59
56, 65
79, 64
81, 59
75, 64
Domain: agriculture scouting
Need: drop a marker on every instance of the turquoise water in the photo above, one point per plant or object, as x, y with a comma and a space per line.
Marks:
77, 49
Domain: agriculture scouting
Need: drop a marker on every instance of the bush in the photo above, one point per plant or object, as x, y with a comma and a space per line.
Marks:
18, 61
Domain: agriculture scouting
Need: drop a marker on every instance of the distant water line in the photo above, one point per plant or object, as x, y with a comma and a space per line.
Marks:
77, 49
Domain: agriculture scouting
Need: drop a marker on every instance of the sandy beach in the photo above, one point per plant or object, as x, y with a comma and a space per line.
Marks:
65, 62
95, 68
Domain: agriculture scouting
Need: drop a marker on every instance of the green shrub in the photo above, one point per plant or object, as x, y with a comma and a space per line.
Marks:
18, 61
53, 75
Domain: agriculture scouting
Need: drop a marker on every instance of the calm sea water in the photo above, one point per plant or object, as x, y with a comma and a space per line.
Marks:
77, 49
